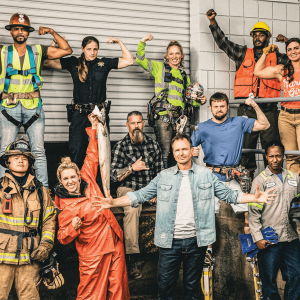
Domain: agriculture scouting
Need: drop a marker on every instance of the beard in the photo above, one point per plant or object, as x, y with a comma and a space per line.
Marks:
263, 45
137, 136
15, 38
220, 117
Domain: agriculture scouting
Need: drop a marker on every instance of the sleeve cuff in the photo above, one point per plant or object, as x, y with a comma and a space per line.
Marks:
257, 236
239, 197
214, 26
141, 43
72, 232
133, 199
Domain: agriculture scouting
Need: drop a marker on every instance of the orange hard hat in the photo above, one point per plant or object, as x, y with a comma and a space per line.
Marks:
19, 20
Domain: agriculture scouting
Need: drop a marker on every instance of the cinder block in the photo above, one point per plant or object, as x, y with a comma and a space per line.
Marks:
248, 41
207, 61
232, 76
250, 9
249, 23
221, 62
265, 10
195, 63
195, 6
293, 12
231, 96
292, 29
279, 27
211, 80
279, 11
236, 8
202, 78
195, 24
204, 24
236, 26
205, 5
207, 42
195, 42
222, 80
222, 7
232, 65
224, 23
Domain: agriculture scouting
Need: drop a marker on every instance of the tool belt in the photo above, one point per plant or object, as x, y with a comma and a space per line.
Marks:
239, 173
86, 108
32, 233
12, 97
291, 110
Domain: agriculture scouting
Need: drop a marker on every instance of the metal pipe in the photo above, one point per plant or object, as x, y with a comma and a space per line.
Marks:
265, 100
261, 151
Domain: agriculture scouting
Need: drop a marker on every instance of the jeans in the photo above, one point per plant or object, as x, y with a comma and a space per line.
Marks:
8, 133
286, 257
169, 263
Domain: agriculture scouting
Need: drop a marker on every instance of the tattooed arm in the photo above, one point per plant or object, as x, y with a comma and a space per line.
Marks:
123, 173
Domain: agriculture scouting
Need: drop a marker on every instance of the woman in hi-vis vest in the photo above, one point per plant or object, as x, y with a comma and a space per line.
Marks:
289, 77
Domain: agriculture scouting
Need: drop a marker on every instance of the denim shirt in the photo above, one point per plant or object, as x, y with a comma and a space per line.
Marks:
204, 185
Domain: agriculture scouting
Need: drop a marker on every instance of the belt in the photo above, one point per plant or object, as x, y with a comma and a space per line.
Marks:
220, 169
264, 107
12, 97
32, 233
291, 110
88, 108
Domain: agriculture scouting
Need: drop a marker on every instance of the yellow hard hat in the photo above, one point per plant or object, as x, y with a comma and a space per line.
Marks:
261, 26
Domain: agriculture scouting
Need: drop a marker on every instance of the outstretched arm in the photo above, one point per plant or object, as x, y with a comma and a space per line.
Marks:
63, 48
126, 59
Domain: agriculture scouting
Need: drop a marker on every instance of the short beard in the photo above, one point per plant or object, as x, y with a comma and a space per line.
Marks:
20, 42
137, 136
220, 117
264, 45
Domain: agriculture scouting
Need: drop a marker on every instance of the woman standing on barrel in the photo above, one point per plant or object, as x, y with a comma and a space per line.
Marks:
98, 236
289, 77
89, 74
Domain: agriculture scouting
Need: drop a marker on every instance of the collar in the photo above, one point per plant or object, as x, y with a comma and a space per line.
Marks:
270, 173
61, 192
14, 184
193, 168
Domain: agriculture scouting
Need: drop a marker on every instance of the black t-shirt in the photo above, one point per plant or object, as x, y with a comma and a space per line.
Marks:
93, 90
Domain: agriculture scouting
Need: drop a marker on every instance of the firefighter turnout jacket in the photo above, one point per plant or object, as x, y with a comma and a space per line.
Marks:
20, 232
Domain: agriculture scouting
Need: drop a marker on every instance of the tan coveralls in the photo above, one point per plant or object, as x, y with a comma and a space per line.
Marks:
15, 268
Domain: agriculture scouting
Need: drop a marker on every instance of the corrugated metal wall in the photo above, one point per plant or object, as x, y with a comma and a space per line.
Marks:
128, 89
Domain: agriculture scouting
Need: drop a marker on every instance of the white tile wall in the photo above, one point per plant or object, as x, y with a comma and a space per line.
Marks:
250, 9
293, 12
279, 11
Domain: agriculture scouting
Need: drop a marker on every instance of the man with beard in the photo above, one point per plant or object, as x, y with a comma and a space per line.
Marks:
221, 139
245, 82
136, 160
20, 84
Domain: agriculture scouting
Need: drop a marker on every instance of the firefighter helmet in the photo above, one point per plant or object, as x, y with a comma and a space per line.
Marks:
194, 91
18, 147
19, 20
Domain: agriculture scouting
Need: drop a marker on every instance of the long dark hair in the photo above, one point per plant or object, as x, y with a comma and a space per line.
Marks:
288, 65
82, 68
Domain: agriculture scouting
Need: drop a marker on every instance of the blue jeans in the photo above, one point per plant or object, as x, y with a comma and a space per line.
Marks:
169, 263
8, 133
286, 257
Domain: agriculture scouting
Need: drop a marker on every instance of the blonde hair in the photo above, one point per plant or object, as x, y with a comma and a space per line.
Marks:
175, 43
66, 163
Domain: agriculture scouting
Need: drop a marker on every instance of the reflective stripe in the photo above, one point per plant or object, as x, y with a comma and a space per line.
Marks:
171, 87
2, 80
10, 257
150, 66
48, 234
265, 177
260, 206
18, 221
50, 210
290, 175
140, 57
15, 81
298, 195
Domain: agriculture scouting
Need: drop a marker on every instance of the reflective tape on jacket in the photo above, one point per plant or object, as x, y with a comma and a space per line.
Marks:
10, 257
259, 205
48, 235
50, 210
18, 221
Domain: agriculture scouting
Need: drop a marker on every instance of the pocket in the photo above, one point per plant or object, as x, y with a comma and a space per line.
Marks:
4, 238
164, 192
205, 190
33, 213
99, 75
248, 67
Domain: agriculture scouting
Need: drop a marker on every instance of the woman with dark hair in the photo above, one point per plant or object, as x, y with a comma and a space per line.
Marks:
89, 74
169, 103
98, 236
289, 76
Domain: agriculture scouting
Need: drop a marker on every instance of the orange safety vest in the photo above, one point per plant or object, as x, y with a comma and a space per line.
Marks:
245, 82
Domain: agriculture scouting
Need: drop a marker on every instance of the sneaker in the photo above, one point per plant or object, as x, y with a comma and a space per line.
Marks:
209, 259
134, 272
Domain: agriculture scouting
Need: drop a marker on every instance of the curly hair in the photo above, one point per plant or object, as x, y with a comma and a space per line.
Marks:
82, 68
288, 67
66, 163
175, 43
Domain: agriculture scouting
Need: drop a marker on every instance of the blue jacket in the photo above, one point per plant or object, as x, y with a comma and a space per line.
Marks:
205, 186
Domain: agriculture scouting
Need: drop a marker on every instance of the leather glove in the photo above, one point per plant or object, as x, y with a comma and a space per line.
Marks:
42, 251
271, 48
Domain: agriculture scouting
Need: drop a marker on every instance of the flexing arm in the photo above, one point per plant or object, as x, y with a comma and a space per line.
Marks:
262, 123
271, 72
63, 48
52, 63
126, 59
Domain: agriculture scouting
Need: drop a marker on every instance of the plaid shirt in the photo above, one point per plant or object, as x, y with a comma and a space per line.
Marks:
126, 153
237, 52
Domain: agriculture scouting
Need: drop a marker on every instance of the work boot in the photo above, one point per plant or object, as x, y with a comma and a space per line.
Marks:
134, 272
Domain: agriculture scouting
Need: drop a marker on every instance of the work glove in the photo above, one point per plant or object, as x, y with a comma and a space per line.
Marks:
42, 251
270, 235
247, 243
271, 48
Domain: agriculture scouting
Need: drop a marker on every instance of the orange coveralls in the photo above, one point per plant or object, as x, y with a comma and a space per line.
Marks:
99, 241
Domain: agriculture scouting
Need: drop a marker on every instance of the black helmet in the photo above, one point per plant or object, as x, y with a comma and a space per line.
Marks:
18, 147
294, 214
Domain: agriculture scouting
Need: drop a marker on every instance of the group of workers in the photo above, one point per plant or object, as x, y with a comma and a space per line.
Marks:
187, 196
